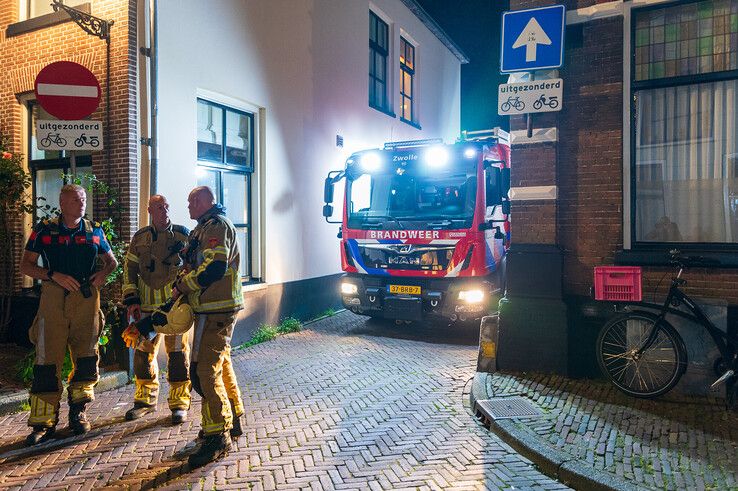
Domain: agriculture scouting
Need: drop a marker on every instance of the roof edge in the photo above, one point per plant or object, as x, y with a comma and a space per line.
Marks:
433, 26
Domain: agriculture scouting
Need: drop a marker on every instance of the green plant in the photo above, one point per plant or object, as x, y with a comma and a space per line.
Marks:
14, 185
288, 325
328, 313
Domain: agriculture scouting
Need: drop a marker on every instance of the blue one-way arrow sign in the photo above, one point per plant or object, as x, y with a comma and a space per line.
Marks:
533, 39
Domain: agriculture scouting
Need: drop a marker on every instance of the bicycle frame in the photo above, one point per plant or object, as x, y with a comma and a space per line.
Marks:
726, 345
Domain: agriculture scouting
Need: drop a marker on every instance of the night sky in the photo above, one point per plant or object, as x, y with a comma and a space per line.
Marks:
474, 25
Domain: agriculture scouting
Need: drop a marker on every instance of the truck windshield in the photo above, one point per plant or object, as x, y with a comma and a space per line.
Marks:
414, 196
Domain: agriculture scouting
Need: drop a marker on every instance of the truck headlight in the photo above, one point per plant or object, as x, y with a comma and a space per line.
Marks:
349, 289
471, 296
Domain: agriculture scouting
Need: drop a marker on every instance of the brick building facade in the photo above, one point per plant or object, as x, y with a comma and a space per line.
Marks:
587, 152
28, 43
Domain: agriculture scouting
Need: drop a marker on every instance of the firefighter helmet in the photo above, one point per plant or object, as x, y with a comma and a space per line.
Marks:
179, 318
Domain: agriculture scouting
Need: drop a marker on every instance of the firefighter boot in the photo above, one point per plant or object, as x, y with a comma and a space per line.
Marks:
78, 419
40, 434
237, 429
139, 410
212, 448
179, 416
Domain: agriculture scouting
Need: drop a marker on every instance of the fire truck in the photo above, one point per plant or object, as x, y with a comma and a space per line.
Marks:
425, 227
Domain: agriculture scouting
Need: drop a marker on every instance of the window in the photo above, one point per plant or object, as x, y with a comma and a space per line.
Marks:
378, 52
685, 95
47, 166
36, 8
407, 77
225, 154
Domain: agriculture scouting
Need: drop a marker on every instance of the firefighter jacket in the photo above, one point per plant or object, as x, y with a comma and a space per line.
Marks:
151, 265
213, 283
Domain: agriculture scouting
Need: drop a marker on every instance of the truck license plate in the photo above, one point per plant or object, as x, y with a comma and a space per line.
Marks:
405, 289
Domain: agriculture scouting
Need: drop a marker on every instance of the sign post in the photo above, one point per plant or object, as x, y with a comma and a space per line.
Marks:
70, 92
532, 40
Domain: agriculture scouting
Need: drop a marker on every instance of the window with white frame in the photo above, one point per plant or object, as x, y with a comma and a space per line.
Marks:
378, 54
36, 8
684, 83
225, 158
49, 166
407, 81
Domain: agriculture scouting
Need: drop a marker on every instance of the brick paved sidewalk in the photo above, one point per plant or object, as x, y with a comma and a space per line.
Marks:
672, 443
335, 406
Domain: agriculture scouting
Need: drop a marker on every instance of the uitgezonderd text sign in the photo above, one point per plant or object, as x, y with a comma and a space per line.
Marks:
541, 96
69, 135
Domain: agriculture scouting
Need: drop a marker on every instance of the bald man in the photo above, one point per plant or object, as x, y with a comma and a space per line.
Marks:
150, 268
213, 289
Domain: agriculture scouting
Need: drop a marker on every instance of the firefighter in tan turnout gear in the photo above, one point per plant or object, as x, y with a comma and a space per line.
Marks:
213, 290
150, 268
69, 312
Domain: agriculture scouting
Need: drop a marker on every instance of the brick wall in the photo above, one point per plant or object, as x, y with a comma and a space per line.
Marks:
24, 55
587, 163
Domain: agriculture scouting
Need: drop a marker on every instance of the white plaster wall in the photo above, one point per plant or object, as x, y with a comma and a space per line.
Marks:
304, 65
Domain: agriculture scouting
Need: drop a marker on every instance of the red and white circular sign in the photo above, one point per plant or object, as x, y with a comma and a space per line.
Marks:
67, 90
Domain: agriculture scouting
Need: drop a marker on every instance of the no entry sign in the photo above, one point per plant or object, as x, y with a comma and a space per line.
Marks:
67, 90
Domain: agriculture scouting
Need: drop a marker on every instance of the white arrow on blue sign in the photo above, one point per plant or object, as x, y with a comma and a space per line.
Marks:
533, 39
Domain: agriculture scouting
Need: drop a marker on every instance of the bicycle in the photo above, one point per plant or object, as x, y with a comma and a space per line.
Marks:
54, 138
552, 102
644, 356
82, 139
512, 102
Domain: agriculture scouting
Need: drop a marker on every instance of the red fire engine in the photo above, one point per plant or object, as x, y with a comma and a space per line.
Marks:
425, 227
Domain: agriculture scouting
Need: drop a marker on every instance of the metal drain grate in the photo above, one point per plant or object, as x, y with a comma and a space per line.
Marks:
508, 407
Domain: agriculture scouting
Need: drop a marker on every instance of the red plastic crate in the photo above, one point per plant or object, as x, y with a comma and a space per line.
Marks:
618, 283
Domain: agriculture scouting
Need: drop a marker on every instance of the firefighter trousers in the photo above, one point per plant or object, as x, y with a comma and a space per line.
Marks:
146, 370
64, 319
213, 376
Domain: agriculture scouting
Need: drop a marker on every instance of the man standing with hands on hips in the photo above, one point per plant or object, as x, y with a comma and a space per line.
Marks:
151, 265
69, 311
213, 289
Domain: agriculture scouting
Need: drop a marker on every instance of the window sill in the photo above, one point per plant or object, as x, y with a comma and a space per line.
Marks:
42, 21
658, 257
253, 287
384, 111
411, 123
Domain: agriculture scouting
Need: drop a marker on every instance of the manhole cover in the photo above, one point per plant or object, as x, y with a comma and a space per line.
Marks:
508, 407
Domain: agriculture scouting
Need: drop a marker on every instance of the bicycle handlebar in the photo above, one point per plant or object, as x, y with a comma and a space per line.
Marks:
677, 259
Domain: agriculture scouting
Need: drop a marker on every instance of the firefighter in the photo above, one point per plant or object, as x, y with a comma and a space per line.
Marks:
69, 312
150, 267
213, 289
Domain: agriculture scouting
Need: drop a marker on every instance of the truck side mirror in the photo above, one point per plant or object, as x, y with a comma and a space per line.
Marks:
328, 192
493, 190
327, 210
506, 207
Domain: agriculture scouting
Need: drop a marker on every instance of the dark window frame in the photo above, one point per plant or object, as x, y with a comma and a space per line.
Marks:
406, 46
221, 167
221, 162
651, 248
377, 50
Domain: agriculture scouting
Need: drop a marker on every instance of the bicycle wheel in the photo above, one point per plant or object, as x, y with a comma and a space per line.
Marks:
652, 373
537, 105
505, 107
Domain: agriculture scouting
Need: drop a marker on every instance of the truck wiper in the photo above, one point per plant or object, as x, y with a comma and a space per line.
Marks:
380, 224
441, 224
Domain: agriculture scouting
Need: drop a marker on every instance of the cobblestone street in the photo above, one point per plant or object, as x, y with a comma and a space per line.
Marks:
339, 405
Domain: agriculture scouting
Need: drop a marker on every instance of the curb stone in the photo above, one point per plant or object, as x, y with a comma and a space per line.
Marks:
12, 403
551, 461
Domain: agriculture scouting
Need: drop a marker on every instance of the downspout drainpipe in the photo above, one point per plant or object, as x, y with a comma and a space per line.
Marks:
154, 94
